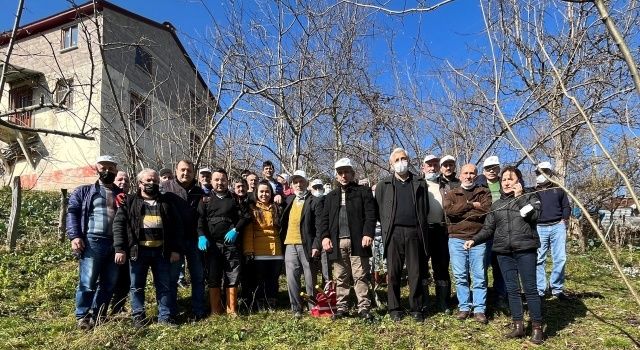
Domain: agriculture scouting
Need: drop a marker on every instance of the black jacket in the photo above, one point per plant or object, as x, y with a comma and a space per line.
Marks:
219, 215
385, 198
510, 231
361, 210
446, 184
308, 227
128, 223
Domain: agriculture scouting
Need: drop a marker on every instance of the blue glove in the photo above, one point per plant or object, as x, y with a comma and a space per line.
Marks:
231, 236
203, 243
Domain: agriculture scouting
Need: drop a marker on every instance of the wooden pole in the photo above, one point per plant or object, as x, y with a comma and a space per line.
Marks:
14, 217
62, 218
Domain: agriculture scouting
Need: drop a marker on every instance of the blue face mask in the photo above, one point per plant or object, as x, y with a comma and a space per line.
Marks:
431, 176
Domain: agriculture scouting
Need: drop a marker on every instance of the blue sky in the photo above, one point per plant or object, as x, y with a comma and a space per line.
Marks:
445, 33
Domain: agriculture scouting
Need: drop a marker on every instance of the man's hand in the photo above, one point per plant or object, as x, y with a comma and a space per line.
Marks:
121, 258
175, 257
367, 241
77, 245
120, 198
477, 205
468, 244
315, 253
277, 199
327, 245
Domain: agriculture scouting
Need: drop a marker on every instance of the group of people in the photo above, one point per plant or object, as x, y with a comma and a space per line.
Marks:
241, 232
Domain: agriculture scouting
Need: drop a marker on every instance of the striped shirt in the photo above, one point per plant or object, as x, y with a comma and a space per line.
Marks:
101, 213
151, 221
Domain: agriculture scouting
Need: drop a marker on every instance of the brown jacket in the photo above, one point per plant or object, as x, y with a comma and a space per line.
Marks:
463, 220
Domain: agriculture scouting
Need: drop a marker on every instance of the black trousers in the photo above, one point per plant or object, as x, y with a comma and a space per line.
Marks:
122, 288
521, 264
405, 247
438, 239
224, 265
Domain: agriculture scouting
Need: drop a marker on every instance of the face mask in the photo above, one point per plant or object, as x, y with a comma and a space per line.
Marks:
317, 193
107, 177
541, 180
431, 176
151, 189
401, 167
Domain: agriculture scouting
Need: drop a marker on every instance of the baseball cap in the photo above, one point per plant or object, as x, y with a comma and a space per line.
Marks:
106, 159
545, 165
204, 170
429, 158
165, 171
317, 182
285, 176
297, 174
446, 159
491, 161
343, 162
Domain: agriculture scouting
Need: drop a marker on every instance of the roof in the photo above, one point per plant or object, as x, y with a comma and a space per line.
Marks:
87, 9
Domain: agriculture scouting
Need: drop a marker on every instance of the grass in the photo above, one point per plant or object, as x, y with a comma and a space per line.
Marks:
37, 285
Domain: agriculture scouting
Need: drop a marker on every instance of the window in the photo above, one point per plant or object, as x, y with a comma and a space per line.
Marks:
21, 97
194, 142
70, 37
64, 92
138, 109
144, 60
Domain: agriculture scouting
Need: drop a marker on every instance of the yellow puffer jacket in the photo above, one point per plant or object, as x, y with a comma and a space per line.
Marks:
261, 237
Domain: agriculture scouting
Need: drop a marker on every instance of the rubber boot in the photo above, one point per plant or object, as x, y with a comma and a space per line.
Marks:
215, 301
443, 291
232, 301
537, 335
517, 330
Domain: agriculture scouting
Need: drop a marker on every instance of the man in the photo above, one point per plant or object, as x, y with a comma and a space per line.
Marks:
186, 196
347, 228
148, 232
91, 211
204, 178
284, 180
165, 174
221, 219
122, 181
490, 179
554, 215
403, 204
448, 179
123, 284
318, 191
267, 173
298, 234
438, 247
252, 184
240, 190
466, 208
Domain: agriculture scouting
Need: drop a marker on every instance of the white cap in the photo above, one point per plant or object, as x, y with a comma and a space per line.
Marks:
106, 159
429, 158
285, 176
491, 161
446, 159
204, 170
343, 162
296, 174
317, 182
545, 165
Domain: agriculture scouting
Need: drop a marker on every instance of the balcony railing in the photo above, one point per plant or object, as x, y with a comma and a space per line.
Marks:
21, 118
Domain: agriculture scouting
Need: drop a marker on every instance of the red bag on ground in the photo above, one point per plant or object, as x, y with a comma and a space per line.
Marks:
326, 301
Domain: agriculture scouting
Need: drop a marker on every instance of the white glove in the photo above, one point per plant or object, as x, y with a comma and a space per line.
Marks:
526, 210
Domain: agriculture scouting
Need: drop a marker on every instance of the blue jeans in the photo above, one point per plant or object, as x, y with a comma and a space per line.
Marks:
554, 238
465, 263
195, 263
98, 276
161, 270
521, 264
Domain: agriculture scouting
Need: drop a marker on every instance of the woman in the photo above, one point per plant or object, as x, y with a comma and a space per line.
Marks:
512, 224
262, 244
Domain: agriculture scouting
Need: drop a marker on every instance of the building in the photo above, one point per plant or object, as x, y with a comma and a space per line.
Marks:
102, 72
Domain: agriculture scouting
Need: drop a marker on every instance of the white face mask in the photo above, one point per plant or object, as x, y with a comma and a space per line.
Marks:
401, 167
541, 179
317, 194
431, 176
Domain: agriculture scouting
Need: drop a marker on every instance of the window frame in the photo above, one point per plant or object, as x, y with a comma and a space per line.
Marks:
61, 89
63, 40
144, 60
138, 103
